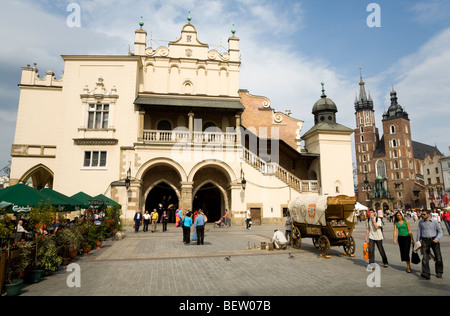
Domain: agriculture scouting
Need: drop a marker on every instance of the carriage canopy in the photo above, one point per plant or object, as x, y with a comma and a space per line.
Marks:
315, 209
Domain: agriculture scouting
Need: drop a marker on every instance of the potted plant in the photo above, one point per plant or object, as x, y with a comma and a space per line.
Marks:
6, 229
17, 266
47, 255
70, 240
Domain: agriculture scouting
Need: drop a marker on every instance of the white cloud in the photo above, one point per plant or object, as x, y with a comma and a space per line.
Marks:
421, 82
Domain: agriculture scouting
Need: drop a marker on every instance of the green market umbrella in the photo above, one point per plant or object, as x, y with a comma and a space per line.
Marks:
83, 198
22, 197
5, 205
64, 202
101, 197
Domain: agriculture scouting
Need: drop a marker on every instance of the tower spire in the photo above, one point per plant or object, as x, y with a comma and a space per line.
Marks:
362, 89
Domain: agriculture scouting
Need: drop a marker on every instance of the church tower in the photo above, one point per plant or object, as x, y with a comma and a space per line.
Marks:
399, 151
366, 139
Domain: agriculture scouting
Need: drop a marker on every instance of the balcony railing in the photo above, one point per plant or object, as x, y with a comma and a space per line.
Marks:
184, 137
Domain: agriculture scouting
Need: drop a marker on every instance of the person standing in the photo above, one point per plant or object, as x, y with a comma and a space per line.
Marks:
248, 219
154, 216
288, 226
164, 220
146, 217
429, 233
374, 235
186, 224
199, 226
405, 239
137, 220
446, 219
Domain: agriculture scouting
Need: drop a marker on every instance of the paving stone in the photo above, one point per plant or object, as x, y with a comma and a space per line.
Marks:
159, 264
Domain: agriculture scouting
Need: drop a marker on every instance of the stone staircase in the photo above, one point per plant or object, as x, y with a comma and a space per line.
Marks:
274, 169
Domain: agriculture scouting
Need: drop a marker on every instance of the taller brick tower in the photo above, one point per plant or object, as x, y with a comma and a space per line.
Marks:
366, 139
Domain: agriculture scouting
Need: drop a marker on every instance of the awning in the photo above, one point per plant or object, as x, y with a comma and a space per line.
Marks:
201, 102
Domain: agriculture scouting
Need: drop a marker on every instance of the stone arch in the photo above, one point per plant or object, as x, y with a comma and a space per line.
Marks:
40, 175
220, 165
211, 191
162, 161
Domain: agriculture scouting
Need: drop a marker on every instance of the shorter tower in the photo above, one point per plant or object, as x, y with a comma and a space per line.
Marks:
399, 154
332, 141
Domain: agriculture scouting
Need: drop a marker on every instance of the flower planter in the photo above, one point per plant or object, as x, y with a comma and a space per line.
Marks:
3, 258
99, 244
15, 288
35, 276
87, 250
73, 255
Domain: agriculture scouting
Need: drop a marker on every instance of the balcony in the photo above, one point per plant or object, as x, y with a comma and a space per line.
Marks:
157, 136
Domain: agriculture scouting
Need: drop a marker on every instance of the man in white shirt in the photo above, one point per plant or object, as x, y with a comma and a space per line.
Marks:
279, 240
248, 219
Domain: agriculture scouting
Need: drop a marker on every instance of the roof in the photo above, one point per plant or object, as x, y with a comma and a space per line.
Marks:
186, 101
380, 150
323, 126
420, 150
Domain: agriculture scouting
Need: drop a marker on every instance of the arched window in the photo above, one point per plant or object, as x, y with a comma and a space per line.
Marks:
164, 125
392, 129
381, 168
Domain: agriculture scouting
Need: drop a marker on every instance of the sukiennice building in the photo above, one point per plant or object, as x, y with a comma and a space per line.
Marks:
172, 126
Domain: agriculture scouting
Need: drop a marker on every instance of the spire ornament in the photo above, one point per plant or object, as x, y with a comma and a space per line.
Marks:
323, 90
189, 17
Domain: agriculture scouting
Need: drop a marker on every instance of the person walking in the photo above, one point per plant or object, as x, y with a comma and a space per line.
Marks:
446, 219
154, 216
429, 233
186, 224
164, 220
374, 234
147, 218
404, 237
227, 219
137, 221
199, 226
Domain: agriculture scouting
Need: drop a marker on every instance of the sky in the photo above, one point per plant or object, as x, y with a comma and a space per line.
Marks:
287, 48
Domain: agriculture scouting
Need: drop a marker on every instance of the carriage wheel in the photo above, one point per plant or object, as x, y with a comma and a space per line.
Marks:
296, 238
323, 244
350, 247
315, 242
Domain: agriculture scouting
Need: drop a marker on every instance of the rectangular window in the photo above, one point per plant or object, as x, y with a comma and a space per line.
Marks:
95, 159
98, 116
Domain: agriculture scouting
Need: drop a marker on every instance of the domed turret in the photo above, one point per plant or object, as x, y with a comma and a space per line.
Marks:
325, 109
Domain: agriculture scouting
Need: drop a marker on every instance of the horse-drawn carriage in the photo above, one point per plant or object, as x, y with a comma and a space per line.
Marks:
328, 220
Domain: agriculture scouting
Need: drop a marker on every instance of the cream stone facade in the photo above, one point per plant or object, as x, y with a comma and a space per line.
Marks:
174, 122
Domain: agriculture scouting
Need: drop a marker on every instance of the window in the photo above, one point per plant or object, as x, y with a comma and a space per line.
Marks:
95, 159
436, 169
381, 168
98, 116
392, 129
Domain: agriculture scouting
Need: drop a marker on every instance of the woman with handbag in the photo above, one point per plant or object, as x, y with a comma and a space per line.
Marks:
404, 237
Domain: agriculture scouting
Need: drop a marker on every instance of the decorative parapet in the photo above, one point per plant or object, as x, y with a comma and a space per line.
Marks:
33, 151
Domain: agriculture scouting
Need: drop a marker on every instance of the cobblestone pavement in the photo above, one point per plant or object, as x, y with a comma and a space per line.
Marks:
159, 264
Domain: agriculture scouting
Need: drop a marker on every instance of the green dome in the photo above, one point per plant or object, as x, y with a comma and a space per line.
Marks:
324, 104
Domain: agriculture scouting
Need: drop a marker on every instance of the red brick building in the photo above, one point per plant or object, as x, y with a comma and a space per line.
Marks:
389, 171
